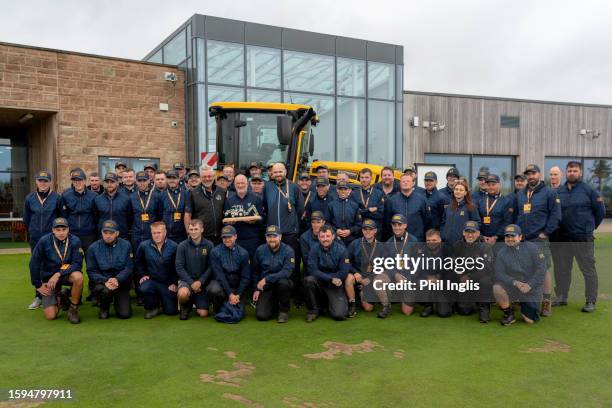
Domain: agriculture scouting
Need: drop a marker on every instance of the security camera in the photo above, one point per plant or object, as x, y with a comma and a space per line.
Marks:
170, 76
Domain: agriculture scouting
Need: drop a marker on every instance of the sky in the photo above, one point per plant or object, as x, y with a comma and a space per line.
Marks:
539, 49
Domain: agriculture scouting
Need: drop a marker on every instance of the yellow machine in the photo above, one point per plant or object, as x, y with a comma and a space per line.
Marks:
264, 133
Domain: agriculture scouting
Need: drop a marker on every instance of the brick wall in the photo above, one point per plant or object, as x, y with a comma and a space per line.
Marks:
104, 106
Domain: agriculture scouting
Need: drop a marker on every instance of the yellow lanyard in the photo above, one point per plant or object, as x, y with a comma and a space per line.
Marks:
363, 248
365, 202
58, 251
178, 200
144, 207
40, 200
286, 195
489, 209
529, 194
403, 245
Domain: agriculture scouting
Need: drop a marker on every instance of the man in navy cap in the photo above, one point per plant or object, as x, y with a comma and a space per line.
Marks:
310, 237
412, 206
254, 169
401, 243
482, 177
181, 175
433, 271
256, 184
193, 270
146, 208
113, 205
109, 267
231, 270
344, 215
149, 170
435, 199
496, 211
305, 196
173, 207
57, 260
539, 215
274, 262
120, 167
519, 275
40, 208
156, 270
452, 176
78, 209
328, 266
369, 199
321, 200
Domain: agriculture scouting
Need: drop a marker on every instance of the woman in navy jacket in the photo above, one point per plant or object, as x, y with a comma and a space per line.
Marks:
460, 209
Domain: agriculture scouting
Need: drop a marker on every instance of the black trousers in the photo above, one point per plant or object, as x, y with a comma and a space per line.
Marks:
276, 296
293, 240
33, 243
319, 293
216, 294
120, 297
583, 249
86, 241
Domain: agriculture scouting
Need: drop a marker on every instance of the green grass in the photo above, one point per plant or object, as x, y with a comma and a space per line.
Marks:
448, 362
7, 243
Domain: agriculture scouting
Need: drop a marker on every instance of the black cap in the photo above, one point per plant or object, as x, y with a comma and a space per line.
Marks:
120, 163
453, 172
111, 176
409, 169
493, 178
193, 172
150, 166
256, 178
304, 176
142, 176
43, 175
273, 230
228, 231
110, 225
430, 175
60, 222
222, 177
531, 169
317, 215
520, 176
322, 181
482, 174
253, 165
342, 185
77, 174
172, 174
178, 166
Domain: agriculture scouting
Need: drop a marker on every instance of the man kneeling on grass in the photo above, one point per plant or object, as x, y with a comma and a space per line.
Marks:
328, 266
109, 266
193, 269
155, 265
57, 260
520, 268
274, 264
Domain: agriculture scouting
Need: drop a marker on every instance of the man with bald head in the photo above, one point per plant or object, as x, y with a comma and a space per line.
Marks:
281, 199
555, 175
206, 202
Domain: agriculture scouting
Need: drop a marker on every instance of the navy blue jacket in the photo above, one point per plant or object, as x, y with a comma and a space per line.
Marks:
317, 203
524, 263
105, 261
360, 260
453, 221
160, 266
39, 219
447, 194
545, 213
385, 196
78, 209
582, 208
239, 207
303, 199
435, 203
345, 214
307, 241
282, 211
45, 261
328, 264
502, 214
231, 268
128, 191
118, 208
414, 208
373, 197
141, 230
193, 261
273, 265
175, 227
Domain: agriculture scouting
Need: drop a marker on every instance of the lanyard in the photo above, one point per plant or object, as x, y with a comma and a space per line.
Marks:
178, 200
286, 194
529, 194
363, 248
365, 202
58, 251
144, 207
489, 209
401, 252
40, 200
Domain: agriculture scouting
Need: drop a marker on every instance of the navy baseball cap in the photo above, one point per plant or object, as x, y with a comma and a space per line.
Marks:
228, 231
256, 178
193, 172
77, 174
273, 230
482, 174
178, 166
222, 177
430, 175
471, 226
111, 176
43, 175
342, 185
512, 230
150, 166
322, 181
493, 178
120, 164
398, 219
172, 174
142, 176
304, 176
60, 222
409, 169
110, 226
520, 176
317, 215
532, 168
368, 224
453, 172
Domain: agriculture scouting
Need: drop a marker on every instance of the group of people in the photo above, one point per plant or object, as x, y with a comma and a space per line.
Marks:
186, 240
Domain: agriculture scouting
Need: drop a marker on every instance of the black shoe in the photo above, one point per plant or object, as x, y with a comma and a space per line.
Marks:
589, 307
73, 314
484, 314
508, 318
283, 317
352, 309
427, 311
149, 314
311, 317
559, 302
185, 312
88, 298
139, 301
64, 299
103, 314
385, 311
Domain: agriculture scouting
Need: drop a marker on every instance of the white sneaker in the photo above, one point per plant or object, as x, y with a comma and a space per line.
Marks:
36, 303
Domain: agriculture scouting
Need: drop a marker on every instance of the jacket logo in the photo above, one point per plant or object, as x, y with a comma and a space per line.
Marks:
541, 256
218, 198
558, 200
292, 260
346, 260
204, 251
462, 213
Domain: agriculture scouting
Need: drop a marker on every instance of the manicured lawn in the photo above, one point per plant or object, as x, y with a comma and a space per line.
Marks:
413, 362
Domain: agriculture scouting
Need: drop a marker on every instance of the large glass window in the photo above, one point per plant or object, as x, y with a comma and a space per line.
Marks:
106, 164
351, 77
13, 175
157, 57
381, 132
175, 51
258, 95
560, 162
263, 67
217, 94
324, 134
225, 63
201, 60
351, 138
308, 72
461, 162
598, 173
500, 165
381, 80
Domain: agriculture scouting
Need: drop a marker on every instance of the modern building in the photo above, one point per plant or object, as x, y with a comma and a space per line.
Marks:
354, 85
